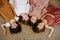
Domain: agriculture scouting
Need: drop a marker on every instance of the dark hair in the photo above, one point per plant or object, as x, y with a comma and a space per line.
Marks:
22, 21
36, 29
20, 18
15, 30
30, 23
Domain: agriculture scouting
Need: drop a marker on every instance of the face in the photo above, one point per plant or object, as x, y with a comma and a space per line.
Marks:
40, 26
25, 17
33, 19
14, 24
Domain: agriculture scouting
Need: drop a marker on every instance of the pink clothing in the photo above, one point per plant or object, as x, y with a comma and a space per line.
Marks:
38, 7
57, 17
49, 19
51, 8
56, 12
41, 3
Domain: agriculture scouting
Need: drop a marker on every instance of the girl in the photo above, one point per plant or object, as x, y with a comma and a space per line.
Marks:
8, 16
38, 8
21, 8
40, 25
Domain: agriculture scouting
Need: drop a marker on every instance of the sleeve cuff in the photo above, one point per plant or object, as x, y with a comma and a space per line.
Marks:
16, 18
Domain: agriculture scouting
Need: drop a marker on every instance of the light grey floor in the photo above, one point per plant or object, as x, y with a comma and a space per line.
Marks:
28, 34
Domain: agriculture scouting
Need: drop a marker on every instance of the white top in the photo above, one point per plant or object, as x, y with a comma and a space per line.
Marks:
21, 6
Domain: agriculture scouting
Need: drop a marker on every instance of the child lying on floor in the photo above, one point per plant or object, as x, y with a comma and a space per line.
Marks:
14, 27
7, 14
40, 25
21, 8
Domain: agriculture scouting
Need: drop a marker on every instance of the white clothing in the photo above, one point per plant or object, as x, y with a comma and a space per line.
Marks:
21, 6
7, 24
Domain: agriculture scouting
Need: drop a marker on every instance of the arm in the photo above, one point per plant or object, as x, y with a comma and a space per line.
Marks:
46, 15
52, 29
3, 27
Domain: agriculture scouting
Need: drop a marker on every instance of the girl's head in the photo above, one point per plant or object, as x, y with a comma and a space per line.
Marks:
20, 18
24, 18
32, 20
15, 27
38, 27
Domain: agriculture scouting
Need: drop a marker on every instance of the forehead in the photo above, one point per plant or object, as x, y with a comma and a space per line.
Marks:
34, 17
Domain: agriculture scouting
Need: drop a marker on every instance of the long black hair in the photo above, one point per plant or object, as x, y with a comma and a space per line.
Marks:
20, 18
15, 30
29, 21
22, 21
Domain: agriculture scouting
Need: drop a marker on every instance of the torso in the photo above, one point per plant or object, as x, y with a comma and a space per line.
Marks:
40, 4
21, 6
50, 20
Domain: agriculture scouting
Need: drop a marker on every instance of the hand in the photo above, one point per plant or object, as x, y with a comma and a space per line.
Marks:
49, 36
3, 27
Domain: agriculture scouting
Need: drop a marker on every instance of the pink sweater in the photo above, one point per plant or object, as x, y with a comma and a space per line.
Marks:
38, 8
